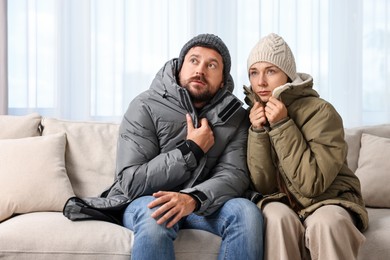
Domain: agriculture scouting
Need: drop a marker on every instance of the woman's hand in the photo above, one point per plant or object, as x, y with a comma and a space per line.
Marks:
275, 110
257, 116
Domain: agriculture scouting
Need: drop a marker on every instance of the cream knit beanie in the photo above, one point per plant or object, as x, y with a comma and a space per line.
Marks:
273, 49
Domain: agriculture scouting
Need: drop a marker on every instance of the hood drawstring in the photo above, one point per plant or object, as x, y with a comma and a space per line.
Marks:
186, 101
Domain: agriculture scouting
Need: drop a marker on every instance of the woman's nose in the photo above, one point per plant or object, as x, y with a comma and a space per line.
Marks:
261, 80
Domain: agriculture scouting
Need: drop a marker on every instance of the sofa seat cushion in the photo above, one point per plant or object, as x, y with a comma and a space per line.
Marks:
49, 235
376, 246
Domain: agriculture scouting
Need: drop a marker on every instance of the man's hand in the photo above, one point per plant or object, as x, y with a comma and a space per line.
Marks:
173, 206
275, 110
257, 116
202, 136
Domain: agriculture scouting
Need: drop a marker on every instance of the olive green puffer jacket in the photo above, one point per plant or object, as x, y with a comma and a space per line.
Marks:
307, 153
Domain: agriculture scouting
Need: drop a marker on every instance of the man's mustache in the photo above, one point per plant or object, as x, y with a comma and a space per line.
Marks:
199, 78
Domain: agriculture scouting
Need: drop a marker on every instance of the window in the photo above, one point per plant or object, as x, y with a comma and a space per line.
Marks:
86, 60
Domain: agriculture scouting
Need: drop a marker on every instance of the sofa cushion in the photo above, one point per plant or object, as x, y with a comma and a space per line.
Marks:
374, 170
90, 153
33, 175
60, 238
353, 137
19, 126
50, 235
376, 246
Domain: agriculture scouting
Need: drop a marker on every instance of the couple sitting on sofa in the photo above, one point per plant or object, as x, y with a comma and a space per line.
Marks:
185, 146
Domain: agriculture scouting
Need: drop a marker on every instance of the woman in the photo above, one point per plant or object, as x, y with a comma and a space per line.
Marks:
311, 202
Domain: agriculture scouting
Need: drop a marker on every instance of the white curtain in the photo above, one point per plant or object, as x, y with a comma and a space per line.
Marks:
3, 58
86, 60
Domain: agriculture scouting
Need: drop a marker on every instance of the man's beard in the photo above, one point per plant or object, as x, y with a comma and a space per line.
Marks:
202, 96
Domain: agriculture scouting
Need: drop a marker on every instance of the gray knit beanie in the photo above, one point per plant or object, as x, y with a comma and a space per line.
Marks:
273, 49
210, 41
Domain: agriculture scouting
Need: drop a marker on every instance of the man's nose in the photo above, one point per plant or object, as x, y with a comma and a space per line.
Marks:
200, 70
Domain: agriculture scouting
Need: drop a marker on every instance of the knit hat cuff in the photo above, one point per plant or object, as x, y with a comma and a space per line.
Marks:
277, 60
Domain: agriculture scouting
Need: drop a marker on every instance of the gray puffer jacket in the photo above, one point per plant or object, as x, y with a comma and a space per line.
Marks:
149, 161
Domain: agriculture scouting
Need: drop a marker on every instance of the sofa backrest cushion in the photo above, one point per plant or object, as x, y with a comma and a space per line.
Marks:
353, 137
90, 153
12, 127
374, 170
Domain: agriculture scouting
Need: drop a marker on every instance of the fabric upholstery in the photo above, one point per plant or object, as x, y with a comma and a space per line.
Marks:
374, 170
49, 235
376, 246
33, 175
353, 137
90, 153
62, 239
12, 127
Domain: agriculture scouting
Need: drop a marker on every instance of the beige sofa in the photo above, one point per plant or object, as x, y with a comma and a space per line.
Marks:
44, 161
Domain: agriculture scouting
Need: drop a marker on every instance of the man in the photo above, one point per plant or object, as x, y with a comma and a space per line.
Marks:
181, 158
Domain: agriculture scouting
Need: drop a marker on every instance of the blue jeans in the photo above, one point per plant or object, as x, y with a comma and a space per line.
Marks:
238, 222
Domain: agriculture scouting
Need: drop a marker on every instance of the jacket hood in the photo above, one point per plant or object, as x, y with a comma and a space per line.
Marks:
301, 87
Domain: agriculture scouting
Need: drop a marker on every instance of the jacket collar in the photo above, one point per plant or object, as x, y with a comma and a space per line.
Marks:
302, 86
219, 110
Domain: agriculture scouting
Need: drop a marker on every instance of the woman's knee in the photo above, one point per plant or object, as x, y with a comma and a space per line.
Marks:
277, 212
329, 217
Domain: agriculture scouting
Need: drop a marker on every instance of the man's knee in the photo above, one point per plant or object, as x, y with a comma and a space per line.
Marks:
138, 214
137, 217
245, 210
139, 207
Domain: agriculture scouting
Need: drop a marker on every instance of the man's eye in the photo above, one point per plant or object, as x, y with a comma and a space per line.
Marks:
212, 66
